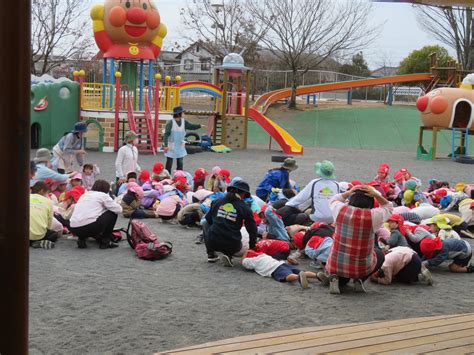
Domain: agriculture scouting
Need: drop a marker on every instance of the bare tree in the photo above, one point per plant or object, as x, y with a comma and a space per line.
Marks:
305, 33
452, 26
223, 25
59, 32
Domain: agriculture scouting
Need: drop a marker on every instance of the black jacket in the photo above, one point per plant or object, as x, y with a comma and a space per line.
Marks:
227, 216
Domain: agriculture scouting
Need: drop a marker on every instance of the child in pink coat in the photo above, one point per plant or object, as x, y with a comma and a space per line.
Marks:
404, 265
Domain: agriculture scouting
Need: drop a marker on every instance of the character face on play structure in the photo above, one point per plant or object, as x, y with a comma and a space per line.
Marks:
131, 21
447, 108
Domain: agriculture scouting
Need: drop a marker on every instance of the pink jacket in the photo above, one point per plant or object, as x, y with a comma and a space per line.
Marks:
167, 207
396, 260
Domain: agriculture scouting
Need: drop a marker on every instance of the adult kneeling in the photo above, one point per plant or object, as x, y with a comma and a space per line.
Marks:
225, 220
95, 216
353, 254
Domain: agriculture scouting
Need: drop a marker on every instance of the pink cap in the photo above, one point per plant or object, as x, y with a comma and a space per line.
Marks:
216, 170
135, 188
77, 176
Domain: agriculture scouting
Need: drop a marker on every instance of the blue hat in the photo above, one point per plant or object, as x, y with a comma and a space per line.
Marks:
80, 127
177, 110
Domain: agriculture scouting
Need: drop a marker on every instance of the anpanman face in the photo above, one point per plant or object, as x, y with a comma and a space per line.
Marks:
131, 21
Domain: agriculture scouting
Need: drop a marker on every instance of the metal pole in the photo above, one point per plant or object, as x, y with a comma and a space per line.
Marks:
104, 82
15, 145
150, 82
112, 82
140, 100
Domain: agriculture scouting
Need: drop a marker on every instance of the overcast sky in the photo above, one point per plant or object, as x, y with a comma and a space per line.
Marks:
400, 32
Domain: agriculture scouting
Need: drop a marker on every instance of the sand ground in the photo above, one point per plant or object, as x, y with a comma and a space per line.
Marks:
99, 301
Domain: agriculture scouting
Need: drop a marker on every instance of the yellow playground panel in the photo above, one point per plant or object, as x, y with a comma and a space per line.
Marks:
101, 97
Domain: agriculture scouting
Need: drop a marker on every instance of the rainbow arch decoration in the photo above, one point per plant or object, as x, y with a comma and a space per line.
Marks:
200, 86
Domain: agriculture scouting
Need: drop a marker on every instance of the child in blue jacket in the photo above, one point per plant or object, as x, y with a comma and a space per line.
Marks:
437, 251
276, 178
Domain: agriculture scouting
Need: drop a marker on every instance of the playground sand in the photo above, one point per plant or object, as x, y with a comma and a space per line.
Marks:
98, 301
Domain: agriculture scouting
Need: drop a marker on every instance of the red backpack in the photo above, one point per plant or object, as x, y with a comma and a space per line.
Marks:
145, 243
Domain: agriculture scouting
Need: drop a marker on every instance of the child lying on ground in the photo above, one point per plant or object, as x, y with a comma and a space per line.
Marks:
272, 224
437, 251
440, 227
277, 249
404, 265
266, 266
131, 203
170, 205
315, 242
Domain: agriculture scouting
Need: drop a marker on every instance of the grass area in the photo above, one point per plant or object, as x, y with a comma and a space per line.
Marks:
373, 128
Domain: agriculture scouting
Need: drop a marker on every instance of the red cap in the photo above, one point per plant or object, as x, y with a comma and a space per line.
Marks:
429, 245
399, 175
441, 193
200, 173
386, 187
144, 176
181, 179
384, 168
318, 224
226, 174
49, 181
298, 240
404, 170
158, 168
472, 204
355, 183
252, 253
75, 193
400, 220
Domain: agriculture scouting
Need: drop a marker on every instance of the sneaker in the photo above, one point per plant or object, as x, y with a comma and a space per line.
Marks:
212, 258
467, 234
193, 227
316, 265
108, 245
81, 244
323, 278
359, 286
227, 261
470, 269
334, 285
425, 276
199, 239
42, 244
303, 280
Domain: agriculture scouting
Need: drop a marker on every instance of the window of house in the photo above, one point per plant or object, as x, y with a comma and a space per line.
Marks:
188, 64
206, 65
197, 48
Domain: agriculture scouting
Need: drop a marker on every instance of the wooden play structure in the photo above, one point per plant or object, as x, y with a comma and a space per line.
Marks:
446, 334
448, 105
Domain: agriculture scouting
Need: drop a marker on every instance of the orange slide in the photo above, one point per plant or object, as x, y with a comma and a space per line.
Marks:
282, 137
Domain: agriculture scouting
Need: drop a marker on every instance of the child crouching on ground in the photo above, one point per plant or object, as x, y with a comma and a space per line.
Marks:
437, 251
131, 203
404, 265
41, 218
266, 266
397, 233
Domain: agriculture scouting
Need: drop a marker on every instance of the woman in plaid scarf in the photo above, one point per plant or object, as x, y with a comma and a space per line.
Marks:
353, 254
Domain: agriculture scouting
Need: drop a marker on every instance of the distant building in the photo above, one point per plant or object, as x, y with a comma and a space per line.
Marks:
199, 57
384, 71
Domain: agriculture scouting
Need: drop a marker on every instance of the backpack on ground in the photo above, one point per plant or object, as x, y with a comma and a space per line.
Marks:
145, 243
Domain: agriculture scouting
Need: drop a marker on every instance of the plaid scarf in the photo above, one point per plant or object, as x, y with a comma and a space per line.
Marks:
352, 254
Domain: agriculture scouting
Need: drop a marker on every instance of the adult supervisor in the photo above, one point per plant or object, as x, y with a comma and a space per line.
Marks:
174, 138
42, 163
69, 148
127, 157
318, 193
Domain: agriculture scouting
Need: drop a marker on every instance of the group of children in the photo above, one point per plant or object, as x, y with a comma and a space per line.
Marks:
426, 228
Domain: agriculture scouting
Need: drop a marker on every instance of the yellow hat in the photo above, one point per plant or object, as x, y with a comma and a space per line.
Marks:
408, 196
440, 221
460, 186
